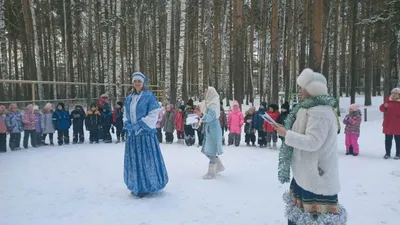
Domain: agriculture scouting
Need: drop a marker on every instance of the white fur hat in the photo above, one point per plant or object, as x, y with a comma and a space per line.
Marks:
315, 83
396, 91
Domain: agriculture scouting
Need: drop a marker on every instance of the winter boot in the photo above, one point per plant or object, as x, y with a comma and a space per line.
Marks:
274, 146
269, 145
386, 156
212, 172
220, 166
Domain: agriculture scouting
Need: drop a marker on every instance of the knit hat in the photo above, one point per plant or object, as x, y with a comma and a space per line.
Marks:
190, 103
11, 107
35, 107
396, 91
48, 107
314, 83
93, 105
264, 104
275, 107
182, 107
285, 106
354, 107
61, 104
120, 103
29, 108
2, 108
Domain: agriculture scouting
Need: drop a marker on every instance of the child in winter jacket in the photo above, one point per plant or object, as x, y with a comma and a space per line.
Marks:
107, 123
235, 123
3, 130
38, 126
391, 122
159, 125
169, 125
352, 130
29, 120
93, 122
118, 116
199, 130
189, 131
62, 123
179, 124
269, 129
248, 127
47, 124
258, 124
78, 117
223, 121
14, 126
284, 113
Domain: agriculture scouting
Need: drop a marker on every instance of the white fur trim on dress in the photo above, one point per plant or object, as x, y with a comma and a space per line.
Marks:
314, 83
300, 217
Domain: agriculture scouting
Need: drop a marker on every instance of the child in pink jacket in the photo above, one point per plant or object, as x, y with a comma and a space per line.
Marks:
29, 121
352, 130
235, 123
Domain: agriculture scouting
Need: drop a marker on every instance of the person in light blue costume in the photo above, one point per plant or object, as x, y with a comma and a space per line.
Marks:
212, 144
144, 168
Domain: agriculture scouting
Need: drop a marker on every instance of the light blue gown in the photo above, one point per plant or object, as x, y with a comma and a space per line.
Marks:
144, 168
212, 145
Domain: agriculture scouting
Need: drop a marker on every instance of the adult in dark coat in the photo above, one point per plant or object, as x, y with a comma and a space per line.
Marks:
78, 117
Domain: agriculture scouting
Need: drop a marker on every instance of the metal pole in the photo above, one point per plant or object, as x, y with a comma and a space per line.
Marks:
365, 114
33, 93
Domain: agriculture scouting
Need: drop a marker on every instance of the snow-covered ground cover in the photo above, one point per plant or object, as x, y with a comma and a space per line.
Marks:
83, 184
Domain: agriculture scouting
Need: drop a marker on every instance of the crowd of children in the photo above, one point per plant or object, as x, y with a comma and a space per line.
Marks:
38, 124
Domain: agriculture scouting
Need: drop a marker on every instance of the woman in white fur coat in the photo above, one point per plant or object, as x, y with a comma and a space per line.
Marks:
310, 151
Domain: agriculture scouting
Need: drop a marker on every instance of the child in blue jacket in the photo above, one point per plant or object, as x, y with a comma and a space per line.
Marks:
62, 123
107, 123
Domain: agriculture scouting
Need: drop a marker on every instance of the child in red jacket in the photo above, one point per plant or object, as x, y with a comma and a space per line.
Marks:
179, 124
273, 112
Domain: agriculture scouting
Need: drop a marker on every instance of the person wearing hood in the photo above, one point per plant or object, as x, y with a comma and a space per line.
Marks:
62, 123
169, 124
144, 167
352, 130
235, 123
3, 129
93, 121
189, 131
285, 110
273, 112
118, 115
38, 127
212, 143
391, 122
309, 151
47, 124
107, 123
29, 120
258, 124
248, 127
14, 127
223, 120
78, 118
179, 124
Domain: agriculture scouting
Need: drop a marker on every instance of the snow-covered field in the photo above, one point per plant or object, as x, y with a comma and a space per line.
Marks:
83, 184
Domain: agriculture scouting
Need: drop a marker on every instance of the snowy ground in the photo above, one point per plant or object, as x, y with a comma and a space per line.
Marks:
83, 184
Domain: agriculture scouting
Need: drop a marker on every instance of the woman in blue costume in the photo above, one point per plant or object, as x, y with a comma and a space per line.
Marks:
212, 144
144, 168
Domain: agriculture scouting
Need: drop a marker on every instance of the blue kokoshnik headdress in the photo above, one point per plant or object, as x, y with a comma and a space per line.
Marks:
139, 76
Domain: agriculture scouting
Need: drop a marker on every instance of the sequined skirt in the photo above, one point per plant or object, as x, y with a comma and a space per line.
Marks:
313, 203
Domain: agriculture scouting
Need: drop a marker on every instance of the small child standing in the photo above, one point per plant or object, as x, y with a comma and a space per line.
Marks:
235, 123
169, 125
199, 130
189, 131
62, 123
107, 123
285, 110
249, 129
29, 120
93, 123
78, 118
47, 124
14, 127
179, 124
352, 130
273, 112
3, 130
118, 116
38, 126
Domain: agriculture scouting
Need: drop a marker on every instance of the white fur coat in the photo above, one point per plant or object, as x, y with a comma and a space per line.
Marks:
315, 161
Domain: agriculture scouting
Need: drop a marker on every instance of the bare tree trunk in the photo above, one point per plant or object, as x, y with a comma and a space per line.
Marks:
274, 53
368, 62
353, 51
304, 33
317, 33
238, 50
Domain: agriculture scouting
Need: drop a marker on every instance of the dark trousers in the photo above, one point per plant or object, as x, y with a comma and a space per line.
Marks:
32, 134
94, 136
250, 138
234, 139
291, 223
38, 138
63, 137
50, 137
389, 141
159, 135
169, 137
15, 141
78, 135
261, 138
272, 136
120, 133
200, 136
180, 134
3, 142
106, 133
